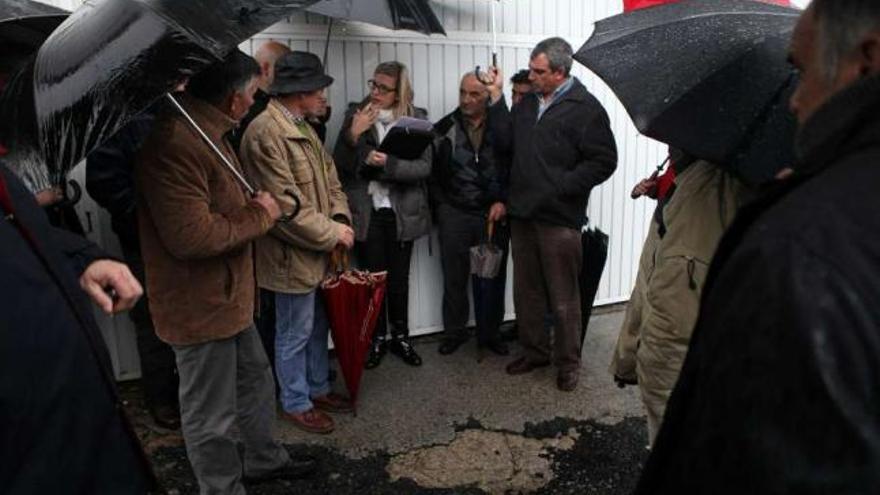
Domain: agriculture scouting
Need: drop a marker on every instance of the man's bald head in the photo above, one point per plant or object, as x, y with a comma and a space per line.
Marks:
473, 96
268, 53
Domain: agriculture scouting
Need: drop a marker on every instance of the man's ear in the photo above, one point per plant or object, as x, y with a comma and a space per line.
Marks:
869, 54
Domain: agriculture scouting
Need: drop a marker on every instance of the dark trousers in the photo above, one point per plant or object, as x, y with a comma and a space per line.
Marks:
158, 369
265, 323
459, 231
382, 251
547, 262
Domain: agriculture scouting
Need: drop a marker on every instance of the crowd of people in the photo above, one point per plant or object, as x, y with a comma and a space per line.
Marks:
232, 278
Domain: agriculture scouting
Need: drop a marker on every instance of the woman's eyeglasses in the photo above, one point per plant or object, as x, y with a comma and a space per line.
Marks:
374, 86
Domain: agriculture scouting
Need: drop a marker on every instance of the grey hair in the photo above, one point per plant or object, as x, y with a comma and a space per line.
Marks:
842, 25
558, 52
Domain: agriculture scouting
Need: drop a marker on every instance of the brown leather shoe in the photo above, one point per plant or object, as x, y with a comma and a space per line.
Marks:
312, 421
334, 403
522, 365
567, 381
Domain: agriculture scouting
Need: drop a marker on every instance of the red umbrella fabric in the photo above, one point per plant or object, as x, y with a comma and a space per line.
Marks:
629, 5
353, 300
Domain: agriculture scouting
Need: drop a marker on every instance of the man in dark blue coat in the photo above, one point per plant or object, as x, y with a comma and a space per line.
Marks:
62, 425
563, 147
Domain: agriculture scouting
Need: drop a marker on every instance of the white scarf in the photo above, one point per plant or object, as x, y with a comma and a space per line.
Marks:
380, 191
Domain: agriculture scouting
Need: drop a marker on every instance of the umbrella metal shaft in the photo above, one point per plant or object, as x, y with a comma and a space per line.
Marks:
494, 37
241, 180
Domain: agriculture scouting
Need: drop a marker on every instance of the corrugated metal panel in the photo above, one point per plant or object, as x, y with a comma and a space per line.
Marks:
437, 63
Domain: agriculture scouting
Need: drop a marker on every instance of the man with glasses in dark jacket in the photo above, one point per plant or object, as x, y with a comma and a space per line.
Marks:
562, 147
469, 189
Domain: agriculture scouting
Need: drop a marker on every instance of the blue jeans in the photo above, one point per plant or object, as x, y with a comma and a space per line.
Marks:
301, 356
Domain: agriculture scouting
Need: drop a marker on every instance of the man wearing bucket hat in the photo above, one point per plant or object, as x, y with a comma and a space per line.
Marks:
282, 153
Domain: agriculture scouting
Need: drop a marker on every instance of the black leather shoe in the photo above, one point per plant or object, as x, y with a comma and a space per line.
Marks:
450, 345
497, 347
400, 347
377, 352
567, 381
299, 467
521, 366
511, 334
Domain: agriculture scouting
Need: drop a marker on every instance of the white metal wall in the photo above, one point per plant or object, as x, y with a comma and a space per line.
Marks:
436, 64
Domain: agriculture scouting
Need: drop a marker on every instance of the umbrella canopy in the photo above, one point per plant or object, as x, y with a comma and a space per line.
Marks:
707, 76
353, 300
629, 5
111, 59
24, 25
413, 15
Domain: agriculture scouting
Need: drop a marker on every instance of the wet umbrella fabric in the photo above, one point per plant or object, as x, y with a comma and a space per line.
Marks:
353, 300
413, 15
24, 25
111, 59
708, 76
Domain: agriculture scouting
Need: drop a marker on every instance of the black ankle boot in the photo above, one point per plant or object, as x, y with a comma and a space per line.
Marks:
400, 347
377, 352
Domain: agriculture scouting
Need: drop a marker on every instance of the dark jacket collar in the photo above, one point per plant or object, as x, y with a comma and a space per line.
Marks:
849, 120
577, 93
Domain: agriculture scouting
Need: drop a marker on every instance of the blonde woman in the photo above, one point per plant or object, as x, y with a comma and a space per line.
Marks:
388, 198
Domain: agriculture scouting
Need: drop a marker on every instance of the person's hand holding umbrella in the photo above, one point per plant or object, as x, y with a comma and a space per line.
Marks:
493, 78
344, 236
111, 285
268, 202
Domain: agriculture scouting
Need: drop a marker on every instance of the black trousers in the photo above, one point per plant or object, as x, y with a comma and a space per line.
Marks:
459, 231
158, 369
382, 251
265, 323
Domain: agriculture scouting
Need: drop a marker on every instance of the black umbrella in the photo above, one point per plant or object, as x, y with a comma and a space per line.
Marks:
707, 76
413, 15
111, 59
24, 25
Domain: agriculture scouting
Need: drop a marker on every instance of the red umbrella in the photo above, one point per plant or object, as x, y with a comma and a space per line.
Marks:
353, 300
629, 5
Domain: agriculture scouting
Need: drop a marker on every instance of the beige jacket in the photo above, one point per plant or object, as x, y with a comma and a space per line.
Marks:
283, 158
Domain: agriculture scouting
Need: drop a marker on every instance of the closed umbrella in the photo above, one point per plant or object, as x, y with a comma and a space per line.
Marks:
353, 300
707, 76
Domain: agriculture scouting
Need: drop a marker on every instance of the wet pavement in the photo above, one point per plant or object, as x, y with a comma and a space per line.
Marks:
456, 425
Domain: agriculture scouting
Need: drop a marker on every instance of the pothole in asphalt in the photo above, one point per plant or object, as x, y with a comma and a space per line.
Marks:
493, 461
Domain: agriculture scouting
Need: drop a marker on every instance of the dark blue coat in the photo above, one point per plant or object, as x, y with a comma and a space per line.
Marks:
559, 159
62, 426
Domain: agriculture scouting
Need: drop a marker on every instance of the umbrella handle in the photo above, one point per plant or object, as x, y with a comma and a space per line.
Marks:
297, 205
339, 260
490, 230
